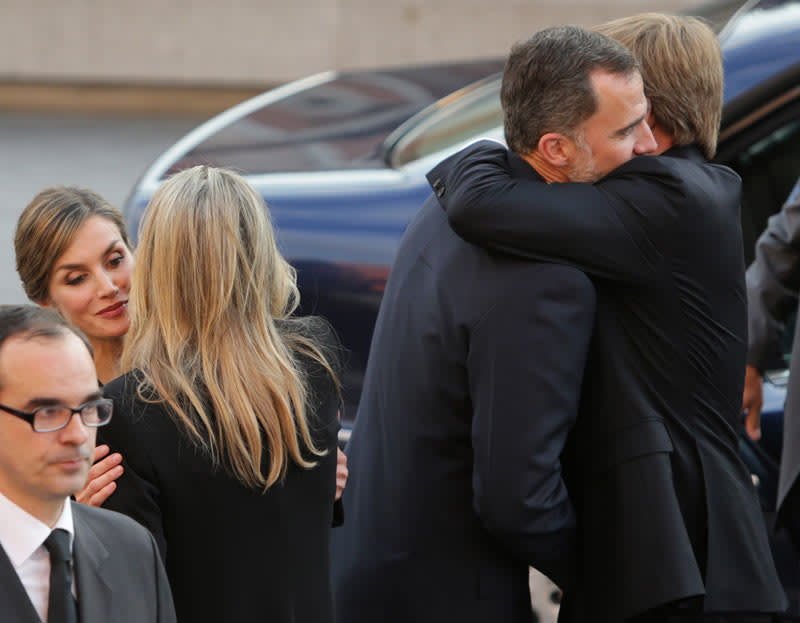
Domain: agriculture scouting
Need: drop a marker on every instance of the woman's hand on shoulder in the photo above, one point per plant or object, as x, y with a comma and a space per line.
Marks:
100, 483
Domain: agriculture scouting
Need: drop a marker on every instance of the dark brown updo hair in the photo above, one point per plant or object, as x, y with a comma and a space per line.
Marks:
47, 227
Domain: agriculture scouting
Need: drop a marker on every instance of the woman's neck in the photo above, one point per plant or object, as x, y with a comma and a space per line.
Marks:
107, 352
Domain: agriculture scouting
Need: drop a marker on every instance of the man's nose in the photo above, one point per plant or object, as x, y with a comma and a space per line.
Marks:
75, 432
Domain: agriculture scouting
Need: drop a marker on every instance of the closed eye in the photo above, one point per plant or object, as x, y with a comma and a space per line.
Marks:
116, 259
74, 281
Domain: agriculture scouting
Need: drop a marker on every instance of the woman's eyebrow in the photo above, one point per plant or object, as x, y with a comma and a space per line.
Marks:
79, 266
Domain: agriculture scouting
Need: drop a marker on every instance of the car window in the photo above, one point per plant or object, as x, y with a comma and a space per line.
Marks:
767, 158
464, 115
338, 121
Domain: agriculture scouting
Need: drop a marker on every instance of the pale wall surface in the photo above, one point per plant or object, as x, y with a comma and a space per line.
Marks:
261, 42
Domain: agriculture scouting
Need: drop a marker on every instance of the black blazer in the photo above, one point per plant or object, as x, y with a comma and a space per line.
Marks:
231, 553
455, 484
118, 574
667, 508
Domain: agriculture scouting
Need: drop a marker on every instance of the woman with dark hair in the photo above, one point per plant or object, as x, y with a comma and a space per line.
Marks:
73, 255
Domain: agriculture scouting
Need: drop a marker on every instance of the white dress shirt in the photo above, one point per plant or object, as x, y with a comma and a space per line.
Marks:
22, 537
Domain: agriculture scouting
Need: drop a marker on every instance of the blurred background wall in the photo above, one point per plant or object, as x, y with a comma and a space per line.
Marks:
201, 55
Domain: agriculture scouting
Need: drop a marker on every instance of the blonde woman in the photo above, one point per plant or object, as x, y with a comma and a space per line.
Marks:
73, 255
227, 411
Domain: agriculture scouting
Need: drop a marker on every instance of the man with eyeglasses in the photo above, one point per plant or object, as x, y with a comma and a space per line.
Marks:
62, 562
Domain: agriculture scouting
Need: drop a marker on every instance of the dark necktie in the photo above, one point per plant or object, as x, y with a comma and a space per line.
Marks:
62, 607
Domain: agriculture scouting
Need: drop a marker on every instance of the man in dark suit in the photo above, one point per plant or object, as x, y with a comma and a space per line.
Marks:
472, 385
54, 551
670, 526
773, 285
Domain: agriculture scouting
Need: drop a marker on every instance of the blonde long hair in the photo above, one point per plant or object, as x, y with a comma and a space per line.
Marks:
682, 71
211, 334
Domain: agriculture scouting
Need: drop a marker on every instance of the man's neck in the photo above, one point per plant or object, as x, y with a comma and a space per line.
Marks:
548, 171
49, 515
46, 511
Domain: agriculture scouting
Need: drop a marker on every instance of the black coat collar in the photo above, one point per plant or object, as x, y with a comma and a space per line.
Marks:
690, 152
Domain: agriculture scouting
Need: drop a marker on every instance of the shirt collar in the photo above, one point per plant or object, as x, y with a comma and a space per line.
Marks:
21, 534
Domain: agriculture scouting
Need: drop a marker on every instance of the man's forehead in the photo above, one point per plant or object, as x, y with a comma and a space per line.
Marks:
607, 83
33, 341
46, 359
619, 94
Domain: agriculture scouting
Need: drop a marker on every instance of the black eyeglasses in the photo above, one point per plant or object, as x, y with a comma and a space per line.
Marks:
55, 417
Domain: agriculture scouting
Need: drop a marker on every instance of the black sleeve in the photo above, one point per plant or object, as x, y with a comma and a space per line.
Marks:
600, 229
325, 402
137, 493
338, 513
525, 368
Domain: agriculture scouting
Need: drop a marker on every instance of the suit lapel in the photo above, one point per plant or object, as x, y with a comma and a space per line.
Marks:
90, 555
15, 605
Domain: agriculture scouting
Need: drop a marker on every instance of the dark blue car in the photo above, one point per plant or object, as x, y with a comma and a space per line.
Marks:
340, 158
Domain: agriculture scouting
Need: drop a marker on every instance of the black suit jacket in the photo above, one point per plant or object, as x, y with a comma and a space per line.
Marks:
231, 553
667, 508
471, 387
118, 574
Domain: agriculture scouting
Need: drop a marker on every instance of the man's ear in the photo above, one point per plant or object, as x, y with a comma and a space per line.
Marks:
650, 118
556, 149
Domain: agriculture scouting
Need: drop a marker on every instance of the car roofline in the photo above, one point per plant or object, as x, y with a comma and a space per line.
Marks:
161, 165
